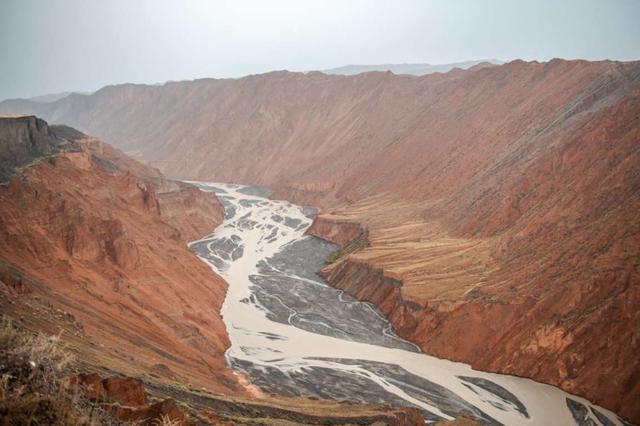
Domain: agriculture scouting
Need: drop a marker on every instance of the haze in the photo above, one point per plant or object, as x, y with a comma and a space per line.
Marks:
78, 45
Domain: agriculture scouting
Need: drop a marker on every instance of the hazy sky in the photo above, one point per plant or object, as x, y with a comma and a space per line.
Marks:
49, 46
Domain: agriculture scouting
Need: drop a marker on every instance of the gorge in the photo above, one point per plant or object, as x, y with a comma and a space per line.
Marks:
289, 330
489, 214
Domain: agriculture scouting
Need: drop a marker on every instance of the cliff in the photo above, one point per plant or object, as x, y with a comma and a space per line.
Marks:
99, 244
24, 139
335, 229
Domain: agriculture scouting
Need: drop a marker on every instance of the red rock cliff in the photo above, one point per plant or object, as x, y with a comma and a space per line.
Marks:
97, 244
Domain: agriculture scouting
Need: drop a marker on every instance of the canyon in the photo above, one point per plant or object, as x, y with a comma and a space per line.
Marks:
293, 335
490, 213
93, 248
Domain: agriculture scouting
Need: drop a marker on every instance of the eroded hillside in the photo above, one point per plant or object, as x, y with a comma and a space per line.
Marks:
92, 241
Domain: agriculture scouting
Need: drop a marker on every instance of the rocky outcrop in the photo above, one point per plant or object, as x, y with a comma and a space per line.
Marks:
114, 160
125, 399
25, 139
125, 390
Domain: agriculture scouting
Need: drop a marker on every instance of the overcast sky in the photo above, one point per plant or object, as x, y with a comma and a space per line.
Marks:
82, 45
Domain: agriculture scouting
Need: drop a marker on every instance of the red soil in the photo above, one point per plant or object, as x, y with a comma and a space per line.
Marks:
103, 248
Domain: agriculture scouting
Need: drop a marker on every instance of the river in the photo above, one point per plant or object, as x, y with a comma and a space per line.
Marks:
294, 335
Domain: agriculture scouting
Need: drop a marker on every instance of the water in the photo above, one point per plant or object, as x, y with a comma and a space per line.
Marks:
294, 335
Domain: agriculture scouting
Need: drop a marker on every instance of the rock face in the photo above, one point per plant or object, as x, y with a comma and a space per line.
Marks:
99, 244
125, 399
125, 390
24, 139
502, 202
335, 230
191, 211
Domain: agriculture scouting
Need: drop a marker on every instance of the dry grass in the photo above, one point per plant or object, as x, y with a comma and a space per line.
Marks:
430, 263
33, 385
165, 420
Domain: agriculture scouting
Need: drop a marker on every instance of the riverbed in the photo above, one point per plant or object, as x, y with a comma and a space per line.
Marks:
294, 335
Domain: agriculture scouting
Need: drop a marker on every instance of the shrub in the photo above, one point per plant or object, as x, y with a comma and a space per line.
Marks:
33, 385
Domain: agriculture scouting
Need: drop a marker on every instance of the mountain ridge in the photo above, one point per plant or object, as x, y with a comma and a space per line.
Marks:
417, 69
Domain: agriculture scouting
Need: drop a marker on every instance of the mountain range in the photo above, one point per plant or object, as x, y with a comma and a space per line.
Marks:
410, 69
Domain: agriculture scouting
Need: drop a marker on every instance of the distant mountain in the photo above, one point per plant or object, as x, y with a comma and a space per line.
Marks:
51, 97
411, 69
45, 99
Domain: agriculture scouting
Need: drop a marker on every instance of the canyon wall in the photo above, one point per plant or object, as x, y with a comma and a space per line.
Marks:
80, 233
501, 203
352, 135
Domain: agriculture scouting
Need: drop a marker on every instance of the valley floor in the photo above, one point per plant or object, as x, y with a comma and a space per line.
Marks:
293, 335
